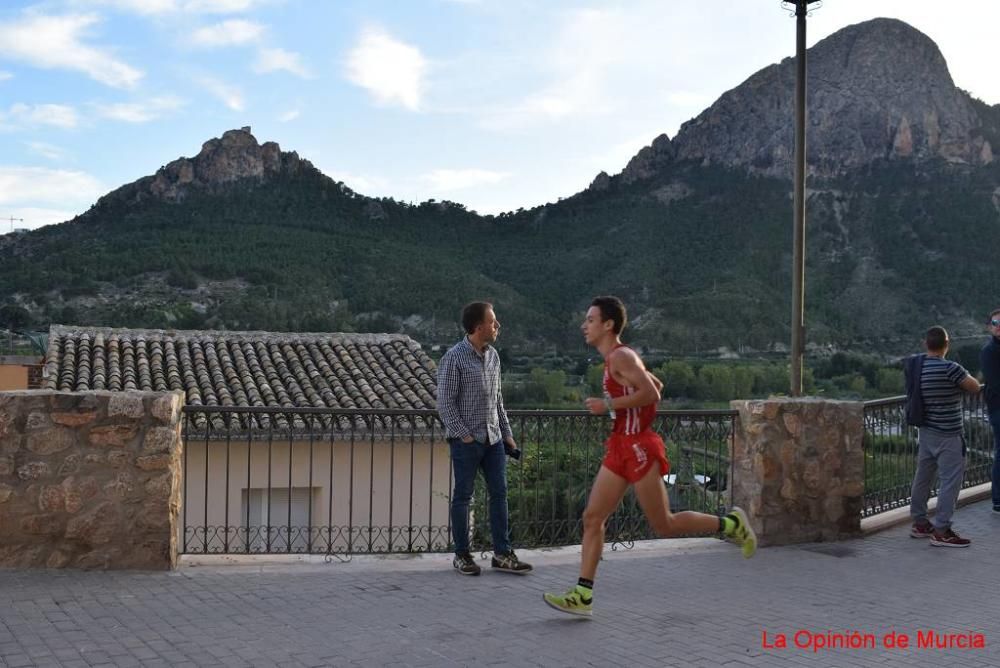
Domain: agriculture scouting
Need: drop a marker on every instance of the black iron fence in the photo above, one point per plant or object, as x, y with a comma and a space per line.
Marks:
890, 449
339, 481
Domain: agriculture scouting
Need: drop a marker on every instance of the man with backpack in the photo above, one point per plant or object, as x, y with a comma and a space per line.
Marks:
937, 384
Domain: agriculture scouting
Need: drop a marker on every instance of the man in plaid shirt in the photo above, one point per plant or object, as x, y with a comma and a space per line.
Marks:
471, 407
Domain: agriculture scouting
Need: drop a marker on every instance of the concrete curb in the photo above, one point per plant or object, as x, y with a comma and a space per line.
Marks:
901, 515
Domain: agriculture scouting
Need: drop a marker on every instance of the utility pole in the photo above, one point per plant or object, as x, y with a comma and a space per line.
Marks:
798, 199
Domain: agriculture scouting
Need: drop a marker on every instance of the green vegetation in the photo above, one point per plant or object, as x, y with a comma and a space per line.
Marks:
305, 253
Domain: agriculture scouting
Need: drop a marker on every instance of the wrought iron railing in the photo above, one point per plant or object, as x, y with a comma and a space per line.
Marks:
340, 481
890, 449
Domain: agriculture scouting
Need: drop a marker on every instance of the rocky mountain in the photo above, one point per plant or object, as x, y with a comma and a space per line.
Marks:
878, 90
236, 156
903, 216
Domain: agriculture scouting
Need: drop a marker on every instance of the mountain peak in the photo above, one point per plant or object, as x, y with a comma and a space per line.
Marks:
233, 157
875, 90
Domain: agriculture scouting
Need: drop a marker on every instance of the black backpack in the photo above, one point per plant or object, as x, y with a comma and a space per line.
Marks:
912, 368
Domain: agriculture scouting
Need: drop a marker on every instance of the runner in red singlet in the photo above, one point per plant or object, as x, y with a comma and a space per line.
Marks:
635, 455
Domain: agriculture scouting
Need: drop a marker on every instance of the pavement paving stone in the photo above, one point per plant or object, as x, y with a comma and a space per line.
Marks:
654, 606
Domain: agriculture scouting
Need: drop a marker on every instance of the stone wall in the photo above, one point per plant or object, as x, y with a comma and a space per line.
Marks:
799, 468
89, 479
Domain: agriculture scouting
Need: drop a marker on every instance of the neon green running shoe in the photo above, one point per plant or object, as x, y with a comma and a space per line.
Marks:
743, 534
572, 602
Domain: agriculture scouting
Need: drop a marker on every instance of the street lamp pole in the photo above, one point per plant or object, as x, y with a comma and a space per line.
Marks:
799, 200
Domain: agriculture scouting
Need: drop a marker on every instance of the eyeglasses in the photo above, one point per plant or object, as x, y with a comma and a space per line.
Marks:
995, 323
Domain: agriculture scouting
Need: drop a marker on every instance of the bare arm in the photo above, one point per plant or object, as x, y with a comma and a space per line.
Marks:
970, 384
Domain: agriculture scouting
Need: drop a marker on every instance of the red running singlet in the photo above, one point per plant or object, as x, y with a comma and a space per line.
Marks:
627, 420
633, 447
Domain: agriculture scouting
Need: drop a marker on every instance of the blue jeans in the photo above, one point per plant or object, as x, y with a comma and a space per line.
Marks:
467, 459
995, 423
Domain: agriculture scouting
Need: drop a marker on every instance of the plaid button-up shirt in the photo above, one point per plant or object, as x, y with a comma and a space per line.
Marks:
469, 398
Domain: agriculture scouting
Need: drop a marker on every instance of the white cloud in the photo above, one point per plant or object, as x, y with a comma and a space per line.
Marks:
447, 180
5, 75
219, 6
47, 151
289, 115
153, 7
140, 112
58, 115
233, 32
273, 60
42, 196
55, 42
230, 95
614, 62
392, 71
145, 7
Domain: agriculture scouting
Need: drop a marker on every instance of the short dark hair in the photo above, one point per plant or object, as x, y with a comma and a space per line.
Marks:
473, 315
936, 338
613, 309
992, 314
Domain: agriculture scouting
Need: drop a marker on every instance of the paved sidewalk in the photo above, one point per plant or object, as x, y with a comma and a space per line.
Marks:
672, 603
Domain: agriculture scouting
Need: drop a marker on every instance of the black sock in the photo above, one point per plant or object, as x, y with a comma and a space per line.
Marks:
584, 582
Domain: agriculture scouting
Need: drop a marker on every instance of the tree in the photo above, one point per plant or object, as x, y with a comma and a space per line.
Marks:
677, 378
13, 316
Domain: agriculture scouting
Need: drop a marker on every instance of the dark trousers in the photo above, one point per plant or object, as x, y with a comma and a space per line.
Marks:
995, 423
467, 459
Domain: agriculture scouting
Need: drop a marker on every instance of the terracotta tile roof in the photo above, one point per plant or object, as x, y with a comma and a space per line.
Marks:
265, 369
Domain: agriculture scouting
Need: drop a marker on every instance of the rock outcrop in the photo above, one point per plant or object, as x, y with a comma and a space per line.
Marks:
236, 156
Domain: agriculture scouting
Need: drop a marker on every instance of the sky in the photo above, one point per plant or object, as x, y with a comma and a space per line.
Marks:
497, 104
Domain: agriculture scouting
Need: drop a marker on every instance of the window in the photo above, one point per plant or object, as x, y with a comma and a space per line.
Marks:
255, 502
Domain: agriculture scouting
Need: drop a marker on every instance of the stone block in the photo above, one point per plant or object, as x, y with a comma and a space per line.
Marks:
50, 440
6, 421
75, 419
96, 526
167, 409
792, 423
70, 465
33, 471
119, 458
158, 489
121, 486
77, 491
51, 498
115, 435
126, 404
37, 420
153, 462
159, 439
41, 525
57, 559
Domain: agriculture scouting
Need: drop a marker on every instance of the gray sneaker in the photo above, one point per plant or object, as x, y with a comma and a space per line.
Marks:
465, 564
509, 563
